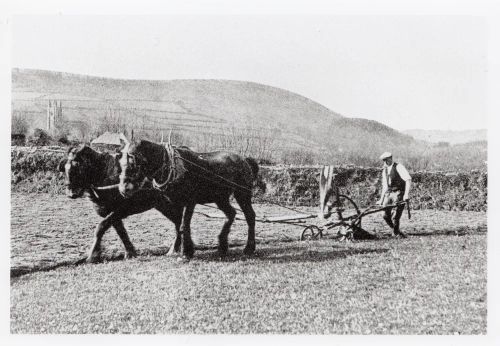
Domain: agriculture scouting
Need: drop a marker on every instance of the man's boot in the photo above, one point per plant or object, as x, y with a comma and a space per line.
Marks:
397, 232
388, 219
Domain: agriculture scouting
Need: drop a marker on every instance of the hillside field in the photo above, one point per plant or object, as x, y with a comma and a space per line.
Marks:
271, 124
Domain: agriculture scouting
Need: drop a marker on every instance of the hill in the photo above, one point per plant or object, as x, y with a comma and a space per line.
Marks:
452, 137
272, 124
189, 105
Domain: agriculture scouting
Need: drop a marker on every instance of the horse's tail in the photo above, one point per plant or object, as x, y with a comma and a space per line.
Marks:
254, 166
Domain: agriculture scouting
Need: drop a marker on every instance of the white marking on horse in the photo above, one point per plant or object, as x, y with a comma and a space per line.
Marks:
67, 166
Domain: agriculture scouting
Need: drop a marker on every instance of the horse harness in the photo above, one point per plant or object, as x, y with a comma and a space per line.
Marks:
170, 159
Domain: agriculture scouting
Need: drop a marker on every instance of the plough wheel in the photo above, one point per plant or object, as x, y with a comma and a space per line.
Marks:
346, 214
311, 232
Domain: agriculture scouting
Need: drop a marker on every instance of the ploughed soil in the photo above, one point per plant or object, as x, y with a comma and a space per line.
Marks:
48, 231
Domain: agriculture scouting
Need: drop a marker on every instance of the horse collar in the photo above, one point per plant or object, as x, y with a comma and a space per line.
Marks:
169, 156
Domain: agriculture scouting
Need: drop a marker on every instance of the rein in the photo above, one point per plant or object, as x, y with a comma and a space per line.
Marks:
229, 183
104, 188
96, 189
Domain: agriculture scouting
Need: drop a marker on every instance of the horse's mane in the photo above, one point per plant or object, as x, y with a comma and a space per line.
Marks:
147, 146
105, 167
154, 152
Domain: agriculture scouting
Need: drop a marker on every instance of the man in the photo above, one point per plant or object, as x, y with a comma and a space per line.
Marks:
396, 183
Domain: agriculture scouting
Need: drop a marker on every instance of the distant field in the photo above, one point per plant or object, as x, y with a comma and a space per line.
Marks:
433, 282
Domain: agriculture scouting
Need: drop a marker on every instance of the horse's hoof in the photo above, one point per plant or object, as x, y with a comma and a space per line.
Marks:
221, 255
188, 254
222, 251
249, 250
93, 259
80, 261
399, 235
173, 251
184, 259
130, 254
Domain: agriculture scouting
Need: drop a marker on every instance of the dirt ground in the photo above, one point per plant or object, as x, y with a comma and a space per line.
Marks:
47, 230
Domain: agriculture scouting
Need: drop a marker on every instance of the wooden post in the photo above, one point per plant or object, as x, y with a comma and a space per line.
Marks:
48, 116
54, 114
326, 188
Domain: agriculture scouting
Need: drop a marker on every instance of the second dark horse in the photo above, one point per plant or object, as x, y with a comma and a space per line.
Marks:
188, 178
95, 174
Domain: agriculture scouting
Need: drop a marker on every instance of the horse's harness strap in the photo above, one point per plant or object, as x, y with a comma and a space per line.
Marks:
228, 183
172, 155
169, 158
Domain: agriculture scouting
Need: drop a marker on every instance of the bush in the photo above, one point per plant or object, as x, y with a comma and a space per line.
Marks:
40, 138
300, 186
36, 171
64, 141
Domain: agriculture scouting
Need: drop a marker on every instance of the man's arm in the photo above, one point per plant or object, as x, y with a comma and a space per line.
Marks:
384, 188
403, 173
407, 190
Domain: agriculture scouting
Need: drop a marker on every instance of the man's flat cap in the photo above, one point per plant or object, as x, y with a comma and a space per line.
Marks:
385, 155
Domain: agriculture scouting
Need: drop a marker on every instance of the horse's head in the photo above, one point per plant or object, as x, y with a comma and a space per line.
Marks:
135, 166
79, 168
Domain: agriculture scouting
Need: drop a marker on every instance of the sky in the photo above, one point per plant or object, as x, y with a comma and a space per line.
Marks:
408, 72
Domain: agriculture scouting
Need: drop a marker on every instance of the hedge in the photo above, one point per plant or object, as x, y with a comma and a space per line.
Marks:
35, 171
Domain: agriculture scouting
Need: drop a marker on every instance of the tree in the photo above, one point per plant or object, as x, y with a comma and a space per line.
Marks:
112, 121
19, 124
82, 131
61, 132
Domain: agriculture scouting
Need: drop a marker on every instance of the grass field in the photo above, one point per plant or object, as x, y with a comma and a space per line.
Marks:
433, 282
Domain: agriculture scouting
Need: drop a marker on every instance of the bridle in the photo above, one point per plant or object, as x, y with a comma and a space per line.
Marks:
80, 167
128, 163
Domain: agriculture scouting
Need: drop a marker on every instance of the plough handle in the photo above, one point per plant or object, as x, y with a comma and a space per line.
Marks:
376, 208
408, 207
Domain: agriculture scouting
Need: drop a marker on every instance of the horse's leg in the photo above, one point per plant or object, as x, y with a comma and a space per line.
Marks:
187, 242
245, 202
102, 227
174, 214
175, 248
135, 205
230, 213
122, 233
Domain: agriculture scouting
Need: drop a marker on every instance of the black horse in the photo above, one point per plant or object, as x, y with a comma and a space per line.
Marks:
188, 178
97, 175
